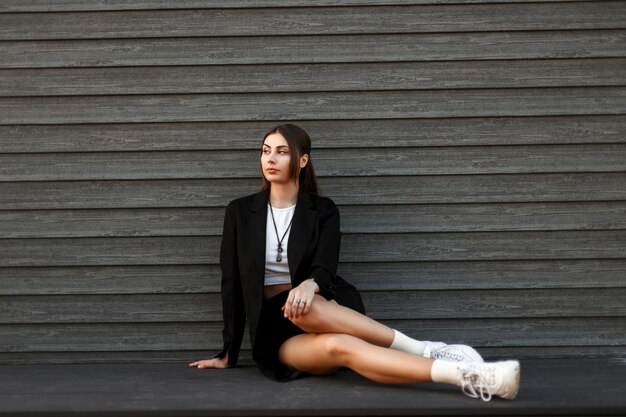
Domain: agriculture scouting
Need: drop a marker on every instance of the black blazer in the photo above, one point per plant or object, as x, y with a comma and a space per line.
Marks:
313, 249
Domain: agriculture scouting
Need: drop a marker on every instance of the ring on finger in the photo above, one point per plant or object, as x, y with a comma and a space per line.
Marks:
297, 301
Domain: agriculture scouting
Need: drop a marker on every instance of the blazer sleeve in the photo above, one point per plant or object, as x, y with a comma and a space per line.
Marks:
326, 258
232, 298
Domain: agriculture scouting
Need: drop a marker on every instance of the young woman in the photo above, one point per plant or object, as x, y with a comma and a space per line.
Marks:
279, 255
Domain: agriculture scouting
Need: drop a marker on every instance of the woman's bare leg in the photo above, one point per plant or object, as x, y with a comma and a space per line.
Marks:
321, 354
326, 353
329, 317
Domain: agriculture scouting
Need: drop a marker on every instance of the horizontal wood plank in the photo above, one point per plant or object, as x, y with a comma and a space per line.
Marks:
483, 217
313, 77
388, 305
110, 251
495, 304
571, 332
95, 356
481, 246
484, 246
124, 337
113, 222
314, 49
330, 134
14, 6
366, 276
328, 163
315, 106
124, 279
552, 352
486, 275
114, 337
313, 21
478, 188
245, 358
101, 308
408, 218
344, 191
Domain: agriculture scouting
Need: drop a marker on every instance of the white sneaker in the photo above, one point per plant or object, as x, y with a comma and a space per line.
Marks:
451, 353
483, 380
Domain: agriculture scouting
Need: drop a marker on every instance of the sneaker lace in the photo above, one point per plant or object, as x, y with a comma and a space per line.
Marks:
474, 384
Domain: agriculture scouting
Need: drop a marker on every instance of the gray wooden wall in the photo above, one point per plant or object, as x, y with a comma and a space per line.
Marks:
477, 151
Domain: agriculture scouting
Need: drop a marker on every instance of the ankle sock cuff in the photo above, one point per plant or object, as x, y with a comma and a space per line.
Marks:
404, 343
445, 372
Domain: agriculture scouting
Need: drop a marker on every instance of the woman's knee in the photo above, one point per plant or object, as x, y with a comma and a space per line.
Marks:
331, 349
338, 345
313, 316
310, 353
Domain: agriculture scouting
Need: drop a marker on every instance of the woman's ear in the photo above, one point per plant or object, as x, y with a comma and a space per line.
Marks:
304, 159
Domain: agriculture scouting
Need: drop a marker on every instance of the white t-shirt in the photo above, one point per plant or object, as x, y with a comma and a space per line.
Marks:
277, 272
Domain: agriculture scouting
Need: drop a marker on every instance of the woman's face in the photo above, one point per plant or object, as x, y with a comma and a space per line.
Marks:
275, 158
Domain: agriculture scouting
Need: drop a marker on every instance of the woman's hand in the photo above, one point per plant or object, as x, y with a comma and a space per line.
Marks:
300, 299
217, 363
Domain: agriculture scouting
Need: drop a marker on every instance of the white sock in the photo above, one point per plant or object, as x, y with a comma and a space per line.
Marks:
446, 372
404, 343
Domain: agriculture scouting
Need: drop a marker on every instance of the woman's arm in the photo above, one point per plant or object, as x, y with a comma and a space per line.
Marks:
326, 259
323, 266
232, 297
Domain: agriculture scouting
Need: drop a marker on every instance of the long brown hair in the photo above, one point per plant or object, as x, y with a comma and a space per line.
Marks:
299, 144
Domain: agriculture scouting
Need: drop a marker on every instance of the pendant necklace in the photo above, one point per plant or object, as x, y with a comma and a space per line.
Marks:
279, 251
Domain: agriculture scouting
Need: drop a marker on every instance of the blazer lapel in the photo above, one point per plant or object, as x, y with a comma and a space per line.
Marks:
304, 220
258, 225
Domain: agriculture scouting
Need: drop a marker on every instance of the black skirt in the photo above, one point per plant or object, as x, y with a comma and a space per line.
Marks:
274, 330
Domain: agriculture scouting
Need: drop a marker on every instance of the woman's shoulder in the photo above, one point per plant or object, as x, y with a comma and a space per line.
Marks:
320, 199
247, 201
323, 203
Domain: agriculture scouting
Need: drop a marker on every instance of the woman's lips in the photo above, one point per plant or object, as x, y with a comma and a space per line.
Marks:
271, 171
